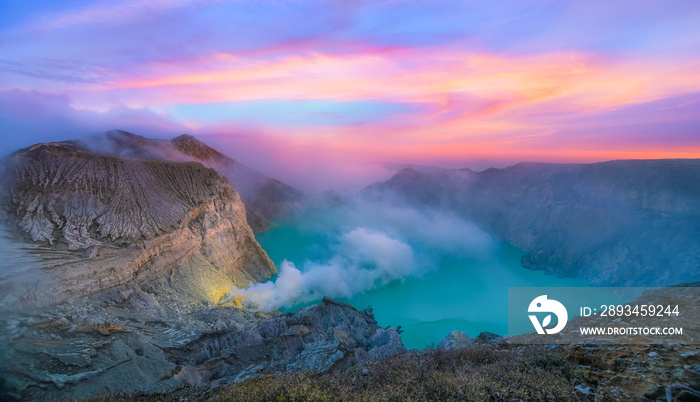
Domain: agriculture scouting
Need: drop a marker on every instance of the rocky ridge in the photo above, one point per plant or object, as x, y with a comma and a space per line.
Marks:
265, 198
620, 223
317, 338
87, 348
110, 224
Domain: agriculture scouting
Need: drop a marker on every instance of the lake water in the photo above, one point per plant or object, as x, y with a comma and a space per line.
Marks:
461, 292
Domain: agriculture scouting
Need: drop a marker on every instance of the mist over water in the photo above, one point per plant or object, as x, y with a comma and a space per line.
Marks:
427, 271
349, 250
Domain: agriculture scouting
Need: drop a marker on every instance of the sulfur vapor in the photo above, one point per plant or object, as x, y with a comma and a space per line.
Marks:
374, 245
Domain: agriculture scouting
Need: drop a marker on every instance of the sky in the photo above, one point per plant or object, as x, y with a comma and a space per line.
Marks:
336, 94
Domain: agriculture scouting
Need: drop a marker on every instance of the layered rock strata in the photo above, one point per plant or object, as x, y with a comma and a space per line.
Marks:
105, 223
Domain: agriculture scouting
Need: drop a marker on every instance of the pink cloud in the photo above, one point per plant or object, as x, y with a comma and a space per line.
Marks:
571, 81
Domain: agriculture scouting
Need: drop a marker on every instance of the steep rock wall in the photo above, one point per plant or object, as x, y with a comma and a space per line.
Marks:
175, 228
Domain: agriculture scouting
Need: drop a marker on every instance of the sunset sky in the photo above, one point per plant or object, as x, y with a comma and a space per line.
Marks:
327, 94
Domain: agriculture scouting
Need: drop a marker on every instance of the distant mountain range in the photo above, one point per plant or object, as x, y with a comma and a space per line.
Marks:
628, 222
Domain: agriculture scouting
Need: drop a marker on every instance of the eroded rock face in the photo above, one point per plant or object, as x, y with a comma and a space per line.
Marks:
176, 229
317, 338
264, 197
615, 223
84, 348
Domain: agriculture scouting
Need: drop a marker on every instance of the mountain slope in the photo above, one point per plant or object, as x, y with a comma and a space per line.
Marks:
176, 229
263, 195
614, 223
265, 198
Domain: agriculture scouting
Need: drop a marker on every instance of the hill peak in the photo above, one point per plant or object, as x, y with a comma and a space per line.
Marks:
191, 146
125, 137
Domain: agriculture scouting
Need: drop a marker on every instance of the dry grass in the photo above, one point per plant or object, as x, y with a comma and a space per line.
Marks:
480, 373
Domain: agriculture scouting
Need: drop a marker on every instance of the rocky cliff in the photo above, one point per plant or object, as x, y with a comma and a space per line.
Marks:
317, 338
265, 198
112, 224
85, 348
615, 223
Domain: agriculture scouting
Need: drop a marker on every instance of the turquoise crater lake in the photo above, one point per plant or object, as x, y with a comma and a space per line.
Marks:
456, 291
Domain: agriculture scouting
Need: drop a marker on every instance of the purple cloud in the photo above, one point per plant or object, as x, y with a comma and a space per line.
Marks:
29, 117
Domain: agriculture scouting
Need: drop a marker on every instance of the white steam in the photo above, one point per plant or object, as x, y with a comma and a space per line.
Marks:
380, 244
436, 231
364, 260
